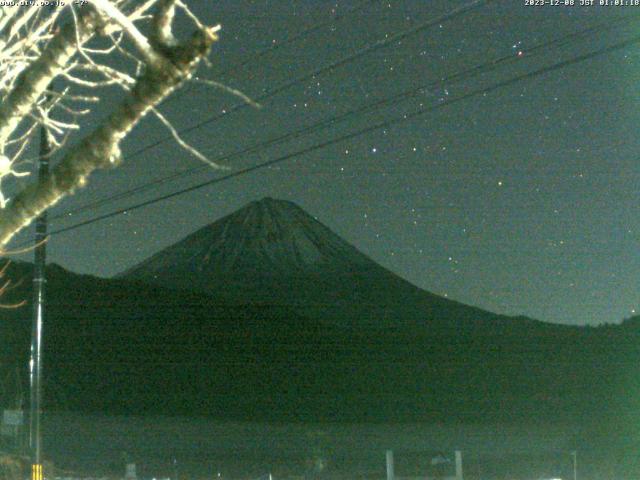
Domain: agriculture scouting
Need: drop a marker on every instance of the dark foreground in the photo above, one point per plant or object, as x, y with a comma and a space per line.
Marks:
203, 448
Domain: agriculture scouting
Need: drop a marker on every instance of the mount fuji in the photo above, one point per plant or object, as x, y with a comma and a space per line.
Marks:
271, 252
267, 314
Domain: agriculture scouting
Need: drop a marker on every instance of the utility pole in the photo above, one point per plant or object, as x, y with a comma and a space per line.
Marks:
39, 281
390, 472
458, 454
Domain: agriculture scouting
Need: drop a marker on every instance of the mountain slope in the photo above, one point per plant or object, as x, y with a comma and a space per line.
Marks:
114, 346
138, 344
273, 252
268, 237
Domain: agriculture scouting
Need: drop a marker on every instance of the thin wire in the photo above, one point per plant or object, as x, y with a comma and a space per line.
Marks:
379, 44
327, 68
448, 80
378, 126
295, 38
271, 48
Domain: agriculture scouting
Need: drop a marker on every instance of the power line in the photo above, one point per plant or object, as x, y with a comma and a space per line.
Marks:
378, 126
286, 41
294, 38
452, 14
448, 80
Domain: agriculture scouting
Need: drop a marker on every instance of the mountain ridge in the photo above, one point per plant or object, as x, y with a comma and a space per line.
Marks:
357, 344
279, 234
272, 252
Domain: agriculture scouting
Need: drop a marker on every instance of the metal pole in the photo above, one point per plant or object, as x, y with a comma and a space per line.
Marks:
390, 472
458, 465
574, 454
39, 281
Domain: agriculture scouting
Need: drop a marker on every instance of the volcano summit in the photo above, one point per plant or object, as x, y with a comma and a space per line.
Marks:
271, 252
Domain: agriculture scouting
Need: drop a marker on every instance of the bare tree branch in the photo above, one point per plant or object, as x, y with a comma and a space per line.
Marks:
101, 148
34, 80
138, 39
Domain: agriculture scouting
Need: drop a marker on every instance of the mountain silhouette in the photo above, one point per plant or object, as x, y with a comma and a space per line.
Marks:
265, 238
272, 252
268, 315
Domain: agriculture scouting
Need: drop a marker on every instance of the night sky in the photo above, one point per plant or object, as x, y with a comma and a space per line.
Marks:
521, 201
